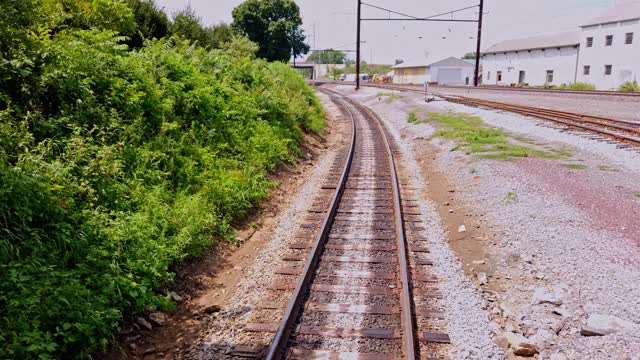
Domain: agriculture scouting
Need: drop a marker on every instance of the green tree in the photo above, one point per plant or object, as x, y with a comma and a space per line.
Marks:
189, 25
274, 25
471, 55
151, 22
328, 57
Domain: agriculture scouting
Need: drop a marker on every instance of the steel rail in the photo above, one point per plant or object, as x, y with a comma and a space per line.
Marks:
279, 344
405, 295
557, 116
572, 122
533, 90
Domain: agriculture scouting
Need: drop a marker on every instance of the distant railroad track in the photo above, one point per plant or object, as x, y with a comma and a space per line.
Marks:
623, 131
529, 90
358, 274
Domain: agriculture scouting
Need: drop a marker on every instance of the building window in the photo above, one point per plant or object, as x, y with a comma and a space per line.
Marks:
549, 76
587, 70
499, 75
488, 75
608, 69
608, 40
589, 42
629, 39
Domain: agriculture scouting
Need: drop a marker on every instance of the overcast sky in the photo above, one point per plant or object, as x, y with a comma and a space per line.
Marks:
334, 22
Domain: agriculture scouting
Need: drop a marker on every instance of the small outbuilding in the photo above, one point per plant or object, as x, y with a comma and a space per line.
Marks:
449, 71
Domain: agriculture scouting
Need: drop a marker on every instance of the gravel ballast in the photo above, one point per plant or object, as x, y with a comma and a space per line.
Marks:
564, 240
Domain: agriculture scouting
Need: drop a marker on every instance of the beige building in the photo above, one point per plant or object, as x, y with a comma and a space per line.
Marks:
449, 71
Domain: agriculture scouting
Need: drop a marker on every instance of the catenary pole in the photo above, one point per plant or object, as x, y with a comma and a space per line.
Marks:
476, 77
358, 48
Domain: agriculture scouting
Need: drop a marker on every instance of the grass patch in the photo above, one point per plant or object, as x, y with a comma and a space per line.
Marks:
575, 166
511, 197
629, 86
577, 86
391, 96
412, 117
607, 168
475, 137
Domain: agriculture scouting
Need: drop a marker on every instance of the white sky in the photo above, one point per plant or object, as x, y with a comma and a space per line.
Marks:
335, 24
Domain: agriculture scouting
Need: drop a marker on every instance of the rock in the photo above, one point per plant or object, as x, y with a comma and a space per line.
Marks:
601, 324
539, 276
564, 313
526, 258
212, 309
176, 297
149, 351
158, 318
482, 278
554, 296
133, 347
543, 337
520, 345
462, 229
144, 323
502, 342
450, 211
511, 326
478, 262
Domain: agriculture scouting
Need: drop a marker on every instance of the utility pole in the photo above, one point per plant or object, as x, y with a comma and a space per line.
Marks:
477, 70
358, 48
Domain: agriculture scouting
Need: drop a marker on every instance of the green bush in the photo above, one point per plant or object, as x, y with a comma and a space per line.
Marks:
630, 87
117, 165
577, 86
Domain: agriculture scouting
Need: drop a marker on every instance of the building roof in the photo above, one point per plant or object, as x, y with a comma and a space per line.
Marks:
452, 62
570, 38
621, 12
410, 64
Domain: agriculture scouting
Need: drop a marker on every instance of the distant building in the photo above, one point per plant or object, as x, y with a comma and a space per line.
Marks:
610, 48
605, 52
450, 71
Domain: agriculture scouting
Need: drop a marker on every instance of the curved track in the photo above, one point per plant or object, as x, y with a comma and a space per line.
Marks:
352, 299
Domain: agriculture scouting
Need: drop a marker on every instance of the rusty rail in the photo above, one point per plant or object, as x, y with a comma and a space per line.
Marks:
279, 345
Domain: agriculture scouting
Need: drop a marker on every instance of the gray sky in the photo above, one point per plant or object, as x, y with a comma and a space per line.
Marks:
334, 22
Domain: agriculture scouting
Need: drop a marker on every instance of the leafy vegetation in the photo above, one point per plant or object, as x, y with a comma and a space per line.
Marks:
412, 117
630, 86
275, 25
575, 166
329, 56
510, 197
118, 164
577, 86
470, 133
389, 95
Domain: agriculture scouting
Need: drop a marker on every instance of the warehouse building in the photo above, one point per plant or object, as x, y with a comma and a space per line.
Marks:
604, 53
450, 71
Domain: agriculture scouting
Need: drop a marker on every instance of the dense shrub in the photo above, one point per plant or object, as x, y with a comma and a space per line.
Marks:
115, 165
630, 86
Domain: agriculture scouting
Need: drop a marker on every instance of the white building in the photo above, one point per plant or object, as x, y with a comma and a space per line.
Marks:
537, 60
605, 52
610, 48
450, 71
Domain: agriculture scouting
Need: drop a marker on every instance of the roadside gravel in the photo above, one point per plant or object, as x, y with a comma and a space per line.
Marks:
551, 227
467, 323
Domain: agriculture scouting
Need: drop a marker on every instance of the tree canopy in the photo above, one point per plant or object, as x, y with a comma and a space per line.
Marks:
328, 57
187, 24
275, 25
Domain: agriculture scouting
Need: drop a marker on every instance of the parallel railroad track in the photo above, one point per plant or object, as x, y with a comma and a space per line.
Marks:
627, 132
620, 94
361, 284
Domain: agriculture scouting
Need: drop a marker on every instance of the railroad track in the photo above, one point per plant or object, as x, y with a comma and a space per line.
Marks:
627, 132
359, 272
620, 94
